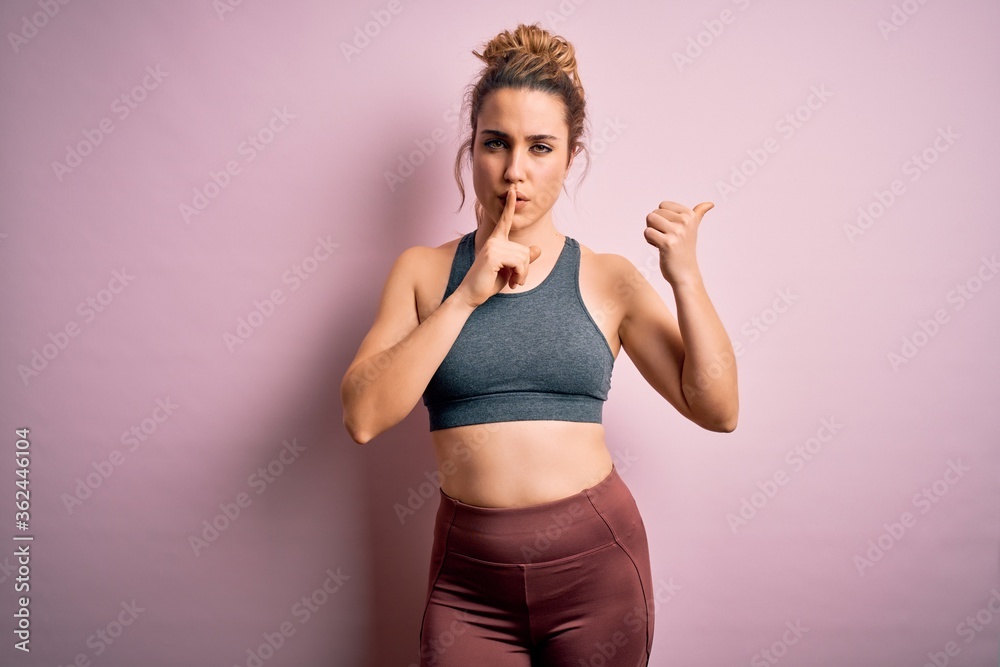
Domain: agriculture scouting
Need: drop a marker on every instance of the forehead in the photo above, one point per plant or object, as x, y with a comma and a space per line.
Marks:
523, 112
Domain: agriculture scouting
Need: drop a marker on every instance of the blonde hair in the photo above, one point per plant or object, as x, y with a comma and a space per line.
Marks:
529, 58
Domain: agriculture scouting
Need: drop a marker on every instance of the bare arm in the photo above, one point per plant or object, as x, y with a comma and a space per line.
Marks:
708, 376
399, 355
690, 363
690, 360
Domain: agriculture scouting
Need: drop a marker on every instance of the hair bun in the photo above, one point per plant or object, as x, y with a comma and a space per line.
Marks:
534, 43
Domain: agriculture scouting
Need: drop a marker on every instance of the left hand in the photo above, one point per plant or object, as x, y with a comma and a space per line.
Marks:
673, 230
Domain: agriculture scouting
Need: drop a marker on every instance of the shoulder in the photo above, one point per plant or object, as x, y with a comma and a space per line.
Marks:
426, 270
420, 259
607, 265
621, 280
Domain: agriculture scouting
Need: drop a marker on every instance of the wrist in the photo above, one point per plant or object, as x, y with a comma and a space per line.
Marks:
460, 302
687, 281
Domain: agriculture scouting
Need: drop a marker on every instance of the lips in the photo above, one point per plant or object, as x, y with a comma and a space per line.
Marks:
520, 197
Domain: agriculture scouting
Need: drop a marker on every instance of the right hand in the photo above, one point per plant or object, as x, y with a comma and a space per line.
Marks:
500, 261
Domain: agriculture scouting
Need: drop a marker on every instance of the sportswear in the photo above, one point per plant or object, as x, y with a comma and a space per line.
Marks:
536, 354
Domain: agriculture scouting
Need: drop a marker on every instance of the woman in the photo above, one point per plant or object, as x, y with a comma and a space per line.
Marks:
510, 334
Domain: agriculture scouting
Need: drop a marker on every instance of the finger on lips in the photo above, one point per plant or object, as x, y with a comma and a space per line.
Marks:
507, 215
515, 275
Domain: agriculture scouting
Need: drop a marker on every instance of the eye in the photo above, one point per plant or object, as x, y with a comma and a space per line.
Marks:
547, 148
492, 141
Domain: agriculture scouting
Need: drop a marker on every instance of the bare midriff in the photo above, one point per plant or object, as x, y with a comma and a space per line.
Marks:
520, 463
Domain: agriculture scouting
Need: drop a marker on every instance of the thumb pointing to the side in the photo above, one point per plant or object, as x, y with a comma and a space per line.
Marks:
703, 208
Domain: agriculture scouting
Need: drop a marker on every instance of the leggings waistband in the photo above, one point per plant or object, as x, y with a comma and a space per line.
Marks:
550, 531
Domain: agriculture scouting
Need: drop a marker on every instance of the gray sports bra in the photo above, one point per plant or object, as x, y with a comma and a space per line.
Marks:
524, 355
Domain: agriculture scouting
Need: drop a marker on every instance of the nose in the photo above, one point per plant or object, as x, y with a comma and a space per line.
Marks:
515, 168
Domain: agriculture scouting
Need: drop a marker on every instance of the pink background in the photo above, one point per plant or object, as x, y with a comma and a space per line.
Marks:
815, 309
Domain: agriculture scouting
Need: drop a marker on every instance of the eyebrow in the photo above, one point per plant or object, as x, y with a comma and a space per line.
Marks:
533, 137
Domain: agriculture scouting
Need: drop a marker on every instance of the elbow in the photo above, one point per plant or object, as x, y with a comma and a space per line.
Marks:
359, 431
726, 426
724, 417
719, 422
717, 411
361, 438
725, 420
719, 425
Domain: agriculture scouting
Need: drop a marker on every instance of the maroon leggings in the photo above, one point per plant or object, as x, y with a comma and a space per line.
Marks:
562, 583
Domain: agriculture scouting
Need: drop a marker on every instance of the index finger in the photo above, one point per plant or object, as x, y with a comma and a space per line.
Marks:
507, 217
